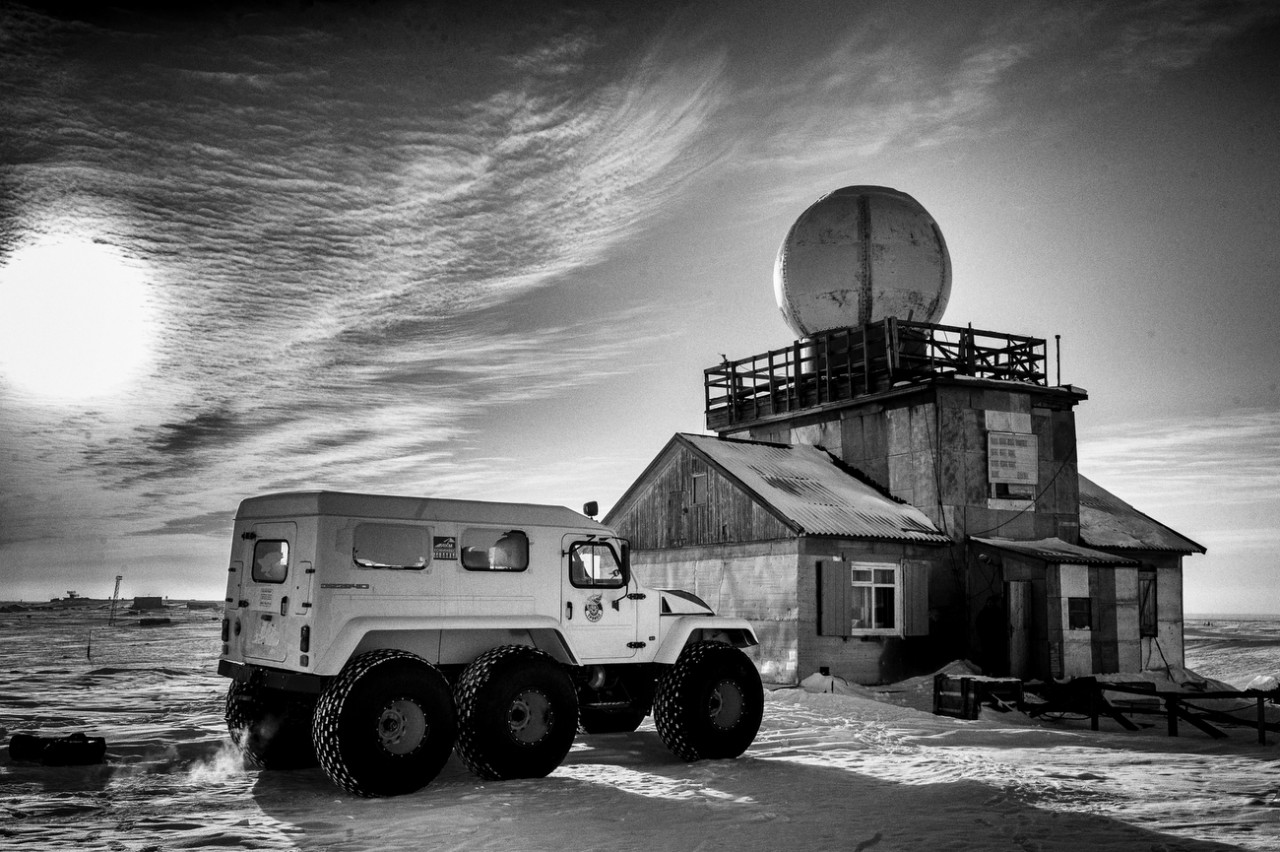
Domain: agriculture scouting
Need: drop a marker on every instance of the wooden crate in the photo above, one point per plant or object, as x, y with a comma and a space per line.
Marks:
963, 696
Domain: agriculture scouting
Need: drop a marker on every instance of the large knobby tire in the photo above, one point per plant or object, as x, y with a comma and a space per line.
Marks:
385, 726
271, 728
710, 703
609, 721
517, 713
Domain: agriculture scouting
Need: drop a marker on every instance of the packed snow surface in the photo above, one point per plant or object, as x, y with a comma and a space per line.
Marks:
849, 768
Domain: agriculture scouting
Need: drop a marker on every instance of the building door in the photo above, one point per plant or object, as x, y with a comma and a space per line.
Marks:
1021, 659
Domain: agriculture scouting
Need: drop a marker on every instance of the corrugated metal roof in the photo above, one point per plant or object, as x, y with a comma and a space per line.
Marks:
1108, 521
1056, 550
806, 486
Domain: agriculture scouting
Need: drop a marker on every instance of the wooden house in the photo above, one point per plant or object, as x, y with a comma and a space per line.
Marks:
1001, 552
832, 571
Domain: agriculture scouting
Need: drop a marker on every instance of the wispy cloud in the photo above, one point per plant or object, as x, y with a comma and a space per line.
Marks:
336, 230
1169, 35
872, 89
1215, 479
1229, 460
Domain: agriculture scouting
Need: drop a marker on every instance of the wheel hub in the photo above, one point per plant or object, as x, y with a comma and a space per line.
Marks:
530, 717
402, 726
724, 705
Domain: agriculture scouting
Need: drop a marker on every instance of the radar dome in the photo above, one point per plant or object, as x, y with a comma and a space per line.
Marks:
858, 255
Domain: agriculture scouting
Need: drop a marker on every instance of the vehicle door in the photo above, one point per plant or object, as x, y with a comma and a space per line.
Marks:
273, 586
599, 618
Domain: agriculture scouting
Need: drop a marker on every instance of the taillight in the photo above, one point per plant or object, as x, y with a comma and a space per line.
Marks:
304, 640
226, 629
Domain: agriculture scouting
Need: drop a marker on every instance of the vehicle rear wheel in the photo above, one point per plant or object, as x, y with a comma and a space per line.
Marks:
385, 725
271, 728
517, 713
710, 703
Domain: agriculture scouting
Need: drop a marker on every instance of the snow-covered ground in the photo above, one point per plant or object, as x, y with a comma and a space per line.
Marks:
854, 771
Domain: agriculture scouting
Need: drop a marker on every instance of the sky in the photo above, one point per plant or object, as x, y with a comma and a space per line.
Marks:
487, 250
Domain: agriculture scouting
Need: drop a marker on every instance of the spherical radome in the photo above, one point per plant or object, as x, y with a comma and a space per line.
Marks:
859, 255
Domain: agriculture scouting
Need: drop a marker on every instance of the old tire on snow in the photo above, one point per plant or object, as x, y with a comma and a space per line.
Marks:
386, 725
517, 713
271, 728
710, 703
609, 721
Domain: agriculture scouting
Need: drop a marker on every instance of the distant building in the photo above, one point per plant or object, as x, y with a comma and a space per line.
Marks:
144, 604
865, 533
885, 497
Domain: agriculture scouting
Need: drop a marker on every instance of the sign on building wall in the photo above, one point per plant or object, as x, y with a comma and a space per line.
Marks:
1012, 457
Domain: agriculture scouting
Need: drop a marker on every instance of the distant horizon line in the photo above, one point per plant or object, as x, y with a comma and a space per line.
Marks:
1187, 617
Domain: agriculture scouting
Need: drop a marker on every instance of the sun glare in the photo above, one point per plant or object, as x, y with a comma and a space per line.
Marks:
74, 320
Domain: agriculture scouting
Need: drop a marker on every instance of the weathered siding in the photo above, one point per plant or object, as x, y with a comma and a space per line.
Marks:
774, 586
1116, 640
869, 659
929, 448
755, 581
1168, 647
662, 513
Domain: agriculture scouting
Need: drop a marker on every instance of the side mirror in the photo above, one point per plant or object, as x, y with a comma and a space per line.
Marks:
591, 509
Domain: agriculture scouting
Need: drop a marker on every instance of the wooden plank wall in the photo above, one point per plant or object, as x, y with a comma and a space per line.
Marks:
661, 513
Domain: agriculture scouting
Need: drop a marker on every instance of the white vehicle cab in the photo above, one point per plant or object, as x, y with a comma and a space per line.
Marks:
376, 634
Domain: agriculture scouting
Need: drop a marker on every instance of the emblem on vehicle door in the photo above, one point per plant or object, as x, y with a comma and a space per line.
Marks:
594, 608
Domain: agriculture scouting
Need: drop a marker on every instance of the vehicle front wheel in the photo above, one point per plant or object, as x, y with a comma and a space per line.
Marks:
517, 713
271, 728
386, 725
710, 703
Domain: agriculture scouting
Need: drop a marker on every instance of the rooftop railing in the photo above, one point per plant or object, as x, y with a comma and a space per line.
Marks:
842, 364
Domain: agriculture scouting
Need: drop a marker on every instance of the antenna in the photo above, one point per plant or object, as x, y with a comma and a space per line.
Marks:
114, 595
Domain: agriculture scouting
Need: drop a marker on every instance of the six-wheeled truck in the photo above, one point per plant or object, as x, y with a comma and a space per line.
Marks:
378, 634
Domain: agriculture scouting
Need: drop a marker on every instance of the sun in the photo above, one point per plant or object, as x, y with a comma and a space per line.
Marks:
74, 320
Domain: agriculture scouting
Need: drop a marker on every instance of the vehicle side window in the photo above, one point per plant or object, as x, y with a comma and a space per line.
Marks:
391, 546
494, 550
270, 561
594, 564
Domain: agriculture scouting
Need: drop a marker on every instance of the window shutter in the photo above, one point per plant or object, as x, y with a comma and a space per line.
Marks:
915, 598
833, 599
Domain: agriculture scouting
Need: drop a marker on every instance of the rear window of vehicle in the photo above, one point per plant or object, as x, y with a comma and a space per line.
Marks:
270, 561
391, 546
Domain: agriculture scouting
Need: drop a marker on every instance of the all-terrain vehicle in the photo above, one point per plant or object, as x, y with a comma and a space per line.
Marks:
377, 634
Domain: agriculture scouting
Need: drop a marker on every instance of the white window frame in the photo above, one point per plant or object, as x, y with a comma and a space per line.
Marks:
835, 589
898, 591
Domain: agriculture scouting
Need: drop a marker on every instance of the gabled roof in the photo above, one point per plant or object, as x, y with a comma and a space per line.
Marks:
1107, 521
812, 492
1056, 550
